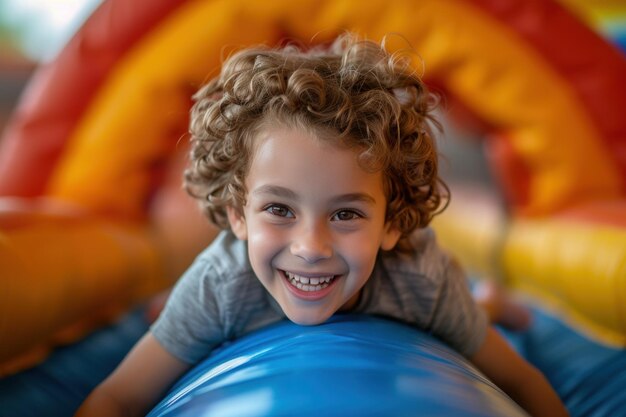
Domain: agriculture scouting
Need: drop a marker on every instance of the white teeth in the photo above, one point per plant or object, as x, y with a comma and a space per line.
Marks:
302, 283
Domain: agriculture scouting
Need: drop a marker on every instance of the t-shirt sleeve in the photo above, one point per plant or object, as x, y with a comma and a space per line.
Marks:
189, 326
457, 319
426, 288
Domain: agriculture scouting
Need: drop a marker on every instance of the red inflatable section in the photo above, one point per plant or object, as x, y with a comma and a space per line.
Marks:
59, 93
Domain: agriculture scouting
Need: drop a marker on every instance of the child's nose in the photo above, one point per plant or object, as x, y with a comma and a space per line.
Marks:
312, 244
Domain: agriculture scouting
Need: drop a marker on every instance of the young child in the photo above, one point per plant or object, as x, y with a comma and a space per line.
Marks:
321, 168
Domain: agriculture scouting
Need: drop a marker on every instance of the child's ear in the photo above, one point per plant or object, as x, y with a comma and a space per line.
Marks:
391, 237
237, 223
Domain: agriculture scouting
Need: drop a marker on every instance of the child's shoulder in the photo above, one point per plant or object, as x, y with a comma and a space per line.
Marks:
225, 256
425, 257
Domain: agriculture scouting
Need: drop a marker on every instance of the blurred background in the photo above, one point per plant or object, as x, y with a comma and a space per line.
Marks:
31, 33
130, 224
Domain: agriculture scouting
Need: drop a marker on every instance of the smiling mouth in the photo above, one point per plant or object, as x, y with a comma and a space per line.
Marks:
309, 284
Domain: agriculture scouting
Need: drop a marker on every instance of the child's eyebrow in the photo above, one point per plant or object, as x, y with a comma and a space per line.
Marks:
355, 197
275, 190
278, 191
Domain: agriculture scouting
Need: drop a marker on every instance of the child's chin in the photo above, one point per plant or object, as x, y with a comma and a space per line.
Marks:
307, 319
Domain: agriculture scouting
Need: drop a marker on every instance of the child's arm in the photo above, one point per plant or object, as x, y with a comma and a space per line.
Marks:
521, 381
137, 384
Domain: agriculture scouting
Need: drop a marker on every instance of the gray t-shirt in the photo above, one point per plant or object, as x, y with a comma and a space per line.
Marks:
219, 298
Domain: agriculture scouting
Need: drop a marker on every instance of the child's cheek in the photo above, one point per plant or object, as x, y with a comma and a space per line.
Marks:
264, 242
360, 253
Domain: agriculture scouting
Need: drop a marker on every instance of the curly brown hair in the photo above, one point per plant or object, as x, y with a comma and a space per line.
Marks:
370, 100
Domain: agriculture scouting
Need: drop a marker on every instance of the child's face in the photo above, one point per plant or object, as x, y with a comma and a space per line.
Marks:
314, 221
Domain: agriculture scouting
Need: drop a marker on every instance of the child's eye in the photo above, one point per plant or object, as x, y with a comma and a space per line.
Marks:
346, 215
279, 210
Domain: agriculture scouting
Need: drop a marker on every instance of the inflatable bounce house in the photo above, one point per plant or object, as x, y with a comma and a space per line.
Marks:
93, 221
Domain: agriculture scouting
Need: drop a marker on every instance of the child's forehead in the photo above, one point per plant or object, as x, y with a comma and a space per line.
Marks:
319, 135
301, 141
285, 154
292, 142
